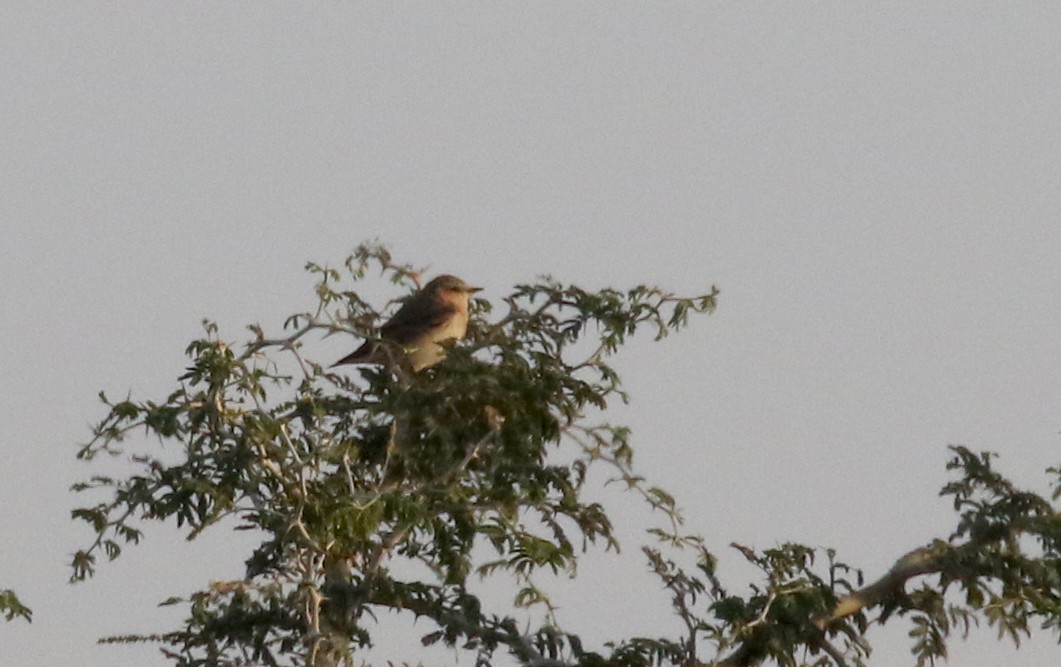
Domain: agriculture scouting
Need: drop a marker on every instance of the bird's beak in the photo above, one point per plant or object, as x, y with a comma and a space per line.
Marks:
473, 290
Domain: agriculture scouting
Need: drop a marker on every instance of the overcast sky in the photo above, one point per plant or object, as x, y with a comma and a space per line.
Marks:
875, 188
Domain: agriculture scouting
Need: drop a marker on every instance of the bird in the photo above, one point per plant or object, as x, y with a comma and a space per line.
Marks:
435, 314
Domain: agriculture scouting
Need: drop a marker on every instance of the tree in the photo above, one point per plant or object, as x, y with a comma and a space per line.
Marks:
478, 467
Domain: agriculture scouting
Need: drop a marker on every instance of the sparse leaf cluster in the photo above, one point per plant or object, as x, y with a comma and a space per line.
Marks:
12, 607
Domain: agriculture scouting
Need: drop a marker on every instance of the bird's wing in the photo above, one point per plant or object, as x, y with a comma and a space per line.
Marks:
409, 323
361, 354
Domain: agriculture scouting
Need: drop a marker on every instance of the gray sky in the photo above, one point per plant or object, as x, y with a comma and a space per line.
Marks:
875, 187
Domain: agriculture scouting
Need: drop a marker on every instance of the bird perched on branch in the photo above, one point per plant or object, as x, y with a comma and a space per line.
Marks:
434, 315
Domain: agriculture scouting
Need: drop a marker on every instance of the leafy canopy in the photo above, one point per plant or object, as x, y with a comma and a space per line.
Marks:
388, 489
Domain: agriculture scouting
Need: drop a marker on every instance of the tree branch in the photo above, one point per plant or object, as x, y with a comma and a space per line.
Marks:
923, 560
919, 562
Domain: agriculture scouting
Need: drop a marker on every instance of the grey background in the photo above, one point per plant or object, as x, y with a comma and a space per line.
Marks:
873, 186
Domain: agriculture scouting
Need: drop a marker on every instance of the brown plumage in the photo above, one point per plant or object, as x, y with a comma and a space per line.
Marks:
437, 313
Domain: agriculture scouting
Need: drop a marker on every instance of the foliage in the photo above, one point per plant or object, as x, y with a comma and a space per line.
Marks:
395, 490
12, 607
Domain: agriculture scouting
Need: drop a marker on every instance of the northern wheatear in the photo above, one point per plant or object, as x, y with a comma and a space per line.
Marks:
435, 314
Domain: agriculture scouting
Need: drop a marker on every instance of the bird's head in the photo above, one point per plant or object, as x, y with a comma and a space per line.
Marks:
450, 287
